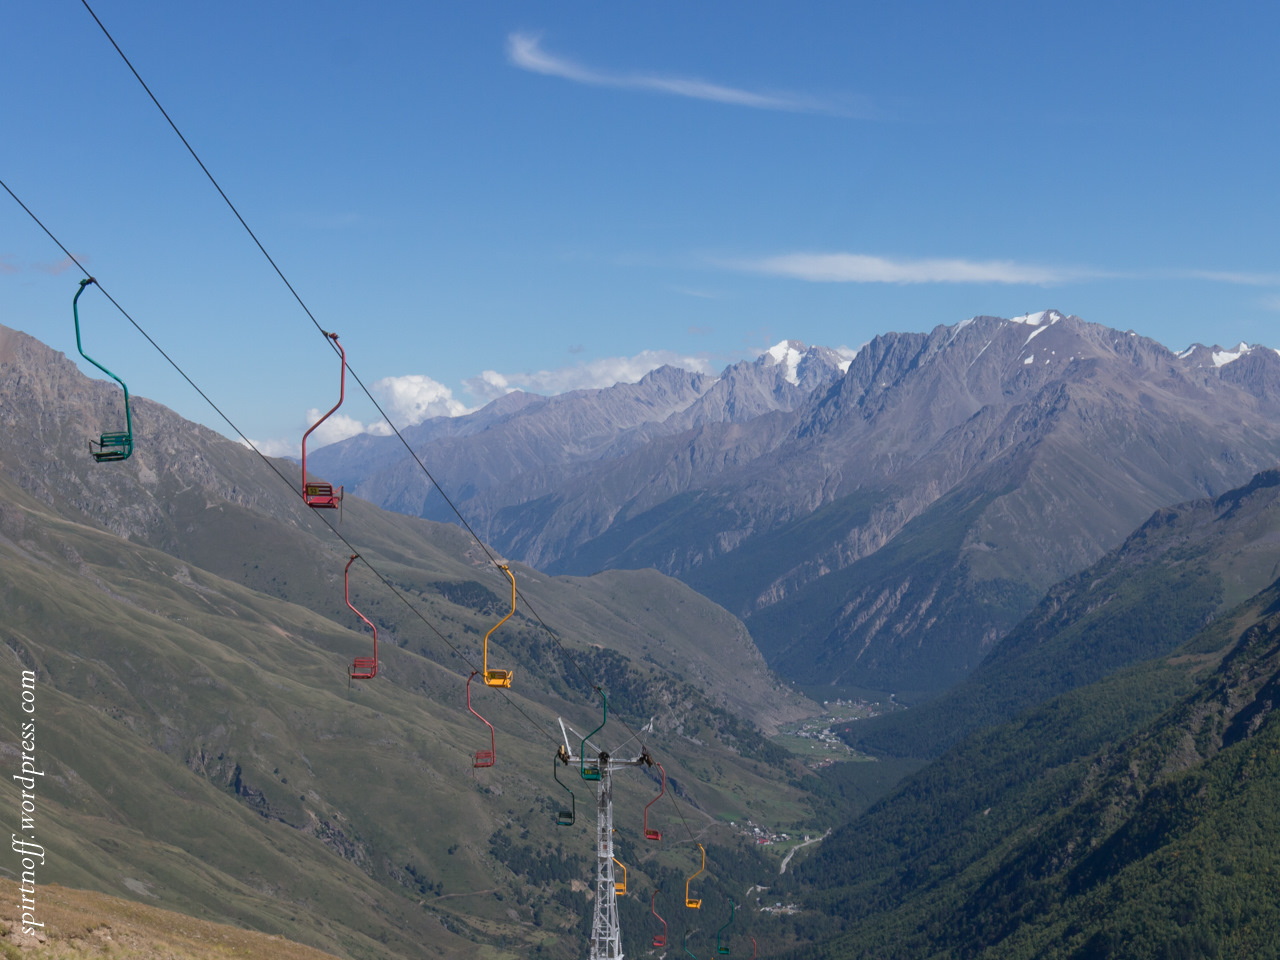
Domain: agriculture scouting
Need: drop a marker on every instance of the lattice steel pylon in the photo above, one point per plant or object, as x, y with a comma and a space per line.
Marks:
606, 934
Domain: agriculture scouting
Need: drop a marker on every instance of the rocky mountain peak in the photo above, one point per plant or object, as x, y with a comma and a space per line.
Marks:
1198, 355
803, 366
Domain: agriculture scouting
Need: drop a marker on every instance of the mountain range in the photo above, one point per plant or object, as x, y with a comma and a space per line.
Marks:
877, 522
1101, 781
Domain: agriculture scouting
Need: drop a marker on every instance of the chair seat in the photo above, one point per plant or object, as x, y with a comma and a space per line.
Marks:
112, 446
321, 496
498, 678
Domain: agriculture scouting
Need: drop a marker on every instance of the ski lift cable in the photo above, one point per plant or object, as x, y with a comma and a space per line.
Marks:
461, 519
377, 573
452, 506
265, 459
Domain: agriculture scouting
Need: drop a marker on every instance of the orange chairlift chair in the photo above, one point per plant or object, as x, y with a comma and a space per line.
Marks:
499, 678
690, 902
620, 886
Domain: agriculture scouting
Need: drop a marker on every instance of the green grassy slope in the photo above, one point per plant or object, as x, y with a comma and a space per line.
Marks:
203, 745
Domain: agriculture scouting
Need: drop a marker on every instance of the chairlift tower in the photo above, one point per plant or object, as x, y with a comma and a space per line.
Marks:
606, 934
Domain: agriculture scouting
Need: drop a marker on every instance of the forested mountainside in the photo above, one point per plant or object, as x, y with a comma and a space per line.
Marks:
889, 519
1136, 816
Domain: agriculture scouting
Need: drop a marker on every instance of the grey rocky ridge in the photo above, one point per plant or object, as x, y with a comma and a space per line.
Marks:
878, 523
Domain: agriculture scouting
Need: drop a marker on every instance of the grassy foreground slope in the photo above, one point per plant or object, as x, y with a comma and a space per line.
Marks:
82, 923
201, 746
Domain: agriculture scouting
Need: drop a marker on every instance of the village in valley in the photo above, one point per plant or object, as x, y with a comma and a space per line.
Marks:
817, 738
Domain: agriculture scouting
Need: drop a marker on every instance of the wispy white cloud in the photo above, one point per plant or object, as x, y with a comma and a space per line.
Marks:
1233, 277
848, 353
340, 427
595, 374
524, 50
862, 268
59, 267
411, 399
865, 268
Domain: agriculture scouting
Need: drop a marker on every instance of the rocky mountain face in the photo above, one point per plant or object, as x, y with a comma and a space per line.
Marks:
523, 447
886, 527
1171, 577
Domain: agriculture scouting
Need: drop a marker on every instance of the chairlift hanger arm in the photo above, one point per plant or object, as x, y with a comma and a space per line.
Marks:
111, 446
723, 948
499, 678
690, 902
564, 818
593, 773
362, 668
653, 834
318, 494
483, 758
660, 939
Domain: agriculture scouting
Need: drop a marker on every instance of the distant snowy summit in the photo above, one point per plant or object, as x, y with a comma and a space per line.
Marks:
1046, 317
1199, 355
1196, 355
796, 359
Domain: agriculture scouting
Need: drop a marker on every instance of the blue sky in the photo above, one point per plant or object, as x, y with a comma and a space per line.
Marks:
565, 194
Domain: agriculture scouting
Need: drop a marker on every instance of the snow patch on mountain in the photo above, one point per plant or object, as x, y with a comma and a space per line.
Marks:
1222, 357
1048, 317
955, 331
1035, 333
788, 353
